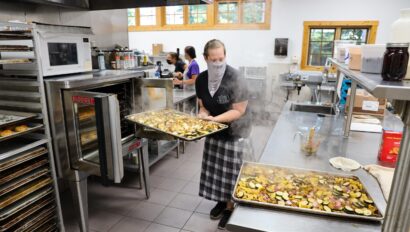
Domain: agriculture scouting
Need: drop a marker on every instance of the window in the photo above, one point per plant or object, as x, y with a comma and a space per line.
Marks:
319, 37
228, 12
198, 14
320, 46
174, 15
253, 12
131, 17
221, 14
148, 16
355, 34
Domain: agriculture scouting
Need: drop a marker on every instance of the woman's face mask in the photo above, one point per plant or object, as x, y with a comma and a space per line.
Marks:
216, 68
169, 61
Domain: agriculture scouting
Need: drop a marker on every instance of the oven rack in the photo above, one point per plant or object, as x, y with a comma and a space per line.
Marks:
23, 91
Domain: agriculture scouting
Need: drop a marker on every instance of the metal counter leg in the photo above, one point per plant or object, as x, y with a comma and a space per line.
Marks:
351, 105
80, 200
178, 141
144, 166
398, 207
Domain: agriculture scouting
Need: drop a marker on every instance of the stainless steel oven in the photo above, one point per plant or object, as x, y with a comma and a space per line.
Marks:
90, 133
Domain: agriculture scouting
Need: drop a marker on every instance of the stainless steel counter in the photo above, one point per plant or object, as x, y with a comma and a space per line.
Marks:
97, 77
282, 150
181, 95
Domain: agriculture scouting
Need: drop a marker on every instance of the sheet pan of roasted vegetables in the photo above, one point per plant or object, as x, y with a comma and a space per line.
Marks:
305, 190
177, 124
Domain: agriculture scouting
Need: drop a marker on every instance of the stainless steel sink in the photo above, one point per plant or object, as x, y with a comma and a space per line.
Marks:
313, 108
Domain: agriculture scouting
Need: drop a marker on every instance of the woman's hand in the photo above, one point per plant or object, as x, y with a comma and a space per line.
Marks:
178, 75
177, 82
210, 118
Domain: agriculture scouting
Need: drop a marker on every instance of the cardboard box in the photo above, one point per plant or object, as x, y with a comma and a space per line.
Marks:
366, 104
157, 49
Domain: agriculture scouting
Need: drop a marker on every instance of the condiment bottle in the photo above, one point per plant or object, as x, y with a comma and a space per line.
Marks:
395, 61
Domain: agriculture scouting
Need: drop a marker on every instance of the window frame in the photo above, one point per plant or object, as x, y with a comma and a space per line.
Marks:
189, 13
174, 15
212, 23
338, 25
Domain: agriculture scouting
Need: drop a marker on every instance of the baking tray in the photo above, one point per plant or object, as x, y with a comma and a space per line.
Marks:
48, 227
23, 192
377, 218
14, 48
18, 171
31, 128
36, 221
16, 61
22, 158
133, 118
27, 213
17, 117
8, 212
23, 180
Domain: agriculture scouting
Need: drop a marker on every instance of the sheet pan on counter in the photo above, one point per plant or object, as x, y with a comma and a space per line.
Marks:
308, 191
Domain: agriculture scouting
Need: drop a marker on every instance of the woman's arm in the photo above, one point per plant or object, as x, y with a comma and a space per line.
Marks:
190, 81
203, 113
237, 111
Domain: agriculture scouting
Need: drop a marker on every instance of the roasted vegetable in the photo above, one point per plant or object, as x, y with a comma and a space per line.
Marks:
307, 190
177, 123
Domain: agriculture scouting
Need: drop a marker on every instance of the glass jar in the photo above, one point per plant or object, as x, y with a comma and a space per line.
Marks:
395, 61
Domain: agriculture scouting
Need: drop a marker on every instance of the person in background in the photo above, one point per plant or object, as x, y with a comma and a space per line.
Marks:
191, 73
180, 66
222, 97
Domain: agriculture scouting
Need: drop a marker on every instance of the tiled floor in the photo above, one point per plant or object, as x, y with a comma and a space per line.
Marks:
174, 205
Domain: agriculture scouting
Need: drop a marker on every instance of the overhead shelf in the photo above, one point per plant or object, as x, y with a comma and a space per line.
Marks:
374, 83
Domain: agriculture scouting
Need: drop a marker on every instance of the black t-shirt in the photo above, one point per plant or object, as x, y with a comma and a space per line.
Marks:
179, 66
232, 89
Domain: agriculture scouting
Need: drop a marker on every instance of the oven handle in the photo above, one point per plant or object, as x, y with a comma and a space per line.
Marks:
109, 135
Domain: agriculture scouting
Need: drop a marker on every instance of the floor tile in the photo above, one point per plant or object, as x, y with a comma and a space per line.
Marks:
201, 223
196, 178
191, 188
172, 184
185, 173
186, 202
160, 196
205, 206
102, 221
130, 225
154, 227
146, 211
117, 205
173, 217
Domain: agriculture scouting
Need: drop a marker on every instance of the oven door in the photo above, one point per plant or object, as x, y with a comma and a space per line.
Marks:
64, 54
94, 134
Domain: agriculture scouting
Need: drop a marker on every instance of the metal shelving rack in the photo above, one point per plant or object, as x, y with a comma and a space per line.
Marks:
397, 216
23, 91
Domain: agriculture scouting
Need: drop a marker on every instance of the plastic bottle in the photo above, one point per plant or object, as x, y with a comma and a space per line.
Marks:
101, 60
117, 59
391, 138
401, 32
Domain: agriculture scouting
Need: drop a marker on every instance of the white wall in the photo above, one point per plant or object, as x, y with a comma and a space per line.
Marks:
255, 47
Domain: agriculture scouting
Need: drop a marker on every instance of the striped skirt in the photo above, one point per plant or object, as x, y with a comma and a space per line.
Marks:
221, 164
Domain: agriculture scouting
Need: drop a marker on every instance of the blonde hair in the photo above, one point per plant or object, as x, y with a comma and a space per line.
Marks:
212, 44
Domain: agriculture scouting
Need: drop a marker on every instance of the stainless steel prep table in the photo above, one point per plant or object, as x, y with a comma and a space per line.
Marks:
181, 95
282, 150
